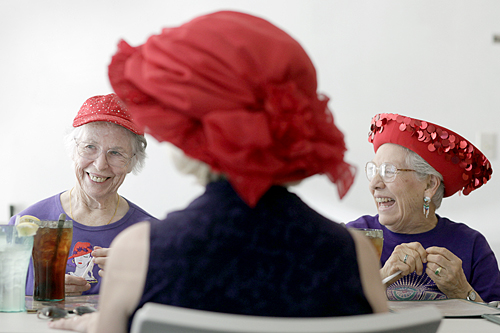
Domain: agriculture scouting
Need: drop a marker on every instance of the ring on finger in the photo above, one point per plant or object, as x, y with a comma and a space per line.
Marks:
438, 270
404, 260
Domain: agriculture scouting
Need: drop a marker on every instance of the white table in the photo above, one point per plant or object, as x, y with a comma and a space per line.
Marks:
22, 322
467, 325
29, 323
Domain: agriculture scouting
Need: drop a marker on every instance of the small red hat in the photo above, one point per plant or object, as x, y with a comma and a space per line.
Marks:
107, 108
463, 167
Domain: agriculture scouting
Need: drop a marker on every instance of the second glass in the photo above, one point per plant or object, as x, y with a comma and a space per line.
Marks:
50, 254
15, 253
376, 236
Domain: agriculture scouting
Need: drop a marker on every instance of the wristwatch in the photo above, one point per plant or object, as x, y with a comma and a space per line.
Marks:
471, 296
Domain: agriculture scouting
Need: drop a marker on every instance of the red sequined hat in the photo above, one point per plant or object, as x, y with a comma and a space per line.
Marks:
106, 108
238, 93
463, 167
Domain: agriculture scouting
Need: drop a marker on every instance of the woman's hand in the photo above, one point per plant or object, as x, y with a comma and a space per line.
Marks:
100, 255
82, 324
445, 269
75, 285
407, 258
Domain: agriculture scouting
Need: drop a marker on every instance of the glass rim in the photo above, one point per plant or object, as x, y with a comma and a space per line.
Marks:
43, 223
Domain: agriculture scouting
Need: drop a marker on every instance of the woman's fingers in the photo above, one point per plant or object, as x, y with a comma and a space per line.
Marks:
407, 258
412, 256
75, 285
445, 269
100, 255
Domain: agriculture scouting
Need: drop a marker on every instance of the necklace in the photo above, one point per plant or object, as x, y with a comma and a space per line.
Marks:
71, 208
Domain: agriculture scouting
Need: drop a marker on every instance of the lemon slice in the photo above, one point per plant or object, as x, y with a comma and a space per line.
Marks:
27, 226
28, 218
27, 229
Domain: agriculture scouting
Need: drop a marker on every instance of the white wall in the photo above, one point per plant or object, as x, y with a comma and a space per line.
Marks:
430, 59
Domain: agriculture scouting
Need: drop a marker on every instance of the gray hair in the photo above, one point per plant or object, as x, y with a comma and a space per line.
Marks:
202, 171
424, 169
190, 166
138, 143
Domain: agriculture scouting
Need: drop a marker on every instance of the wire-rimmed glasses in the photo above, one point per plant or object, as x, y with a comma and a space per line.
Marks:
92, 151
387, 171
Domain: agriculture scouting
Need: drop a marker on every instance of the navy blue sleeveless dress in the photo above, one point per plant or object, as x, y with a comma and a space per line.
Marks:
280, 258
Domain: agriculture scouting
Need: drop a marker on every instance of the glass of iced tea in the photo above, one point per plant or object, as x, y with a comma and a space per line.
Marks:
376, 236
50, 253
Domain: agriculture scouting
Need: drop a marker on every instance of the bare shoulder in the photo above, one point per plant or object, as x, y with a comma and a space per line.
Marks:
131, 234
369, 266
125, 276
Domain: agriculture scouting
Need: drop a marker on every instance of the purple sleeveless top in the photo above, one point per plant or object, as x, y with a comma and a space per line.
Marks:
280, 258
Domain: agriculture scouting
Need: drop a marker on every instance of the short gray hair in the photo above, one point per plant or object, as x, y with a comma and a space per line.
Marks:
138, 143
190, 166
424, 169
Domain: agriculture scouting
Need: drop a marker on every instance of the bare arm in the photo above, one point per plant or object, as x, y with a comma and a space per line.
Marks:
369, 266
121, 290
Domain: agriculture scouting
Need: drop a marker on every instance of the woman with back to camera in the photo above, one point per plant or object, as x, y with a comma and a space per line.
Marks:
238, 95
105, 146
416, 164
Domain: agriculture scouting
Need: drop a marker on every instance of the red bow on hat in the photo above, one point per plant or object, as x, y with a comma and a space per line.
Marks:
234, 91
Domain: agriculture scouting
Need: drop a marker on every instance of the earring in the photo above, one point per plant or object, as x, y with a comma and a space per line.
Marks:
426, 206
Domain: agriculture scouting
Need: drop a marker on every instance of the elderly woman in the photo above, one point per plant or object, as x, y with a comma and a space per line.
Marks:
237, 94
105, 147
416, 164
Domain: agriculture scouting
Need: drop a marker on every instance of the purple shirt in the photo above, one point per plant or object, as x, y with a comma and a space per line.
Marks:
84, 238
478, 260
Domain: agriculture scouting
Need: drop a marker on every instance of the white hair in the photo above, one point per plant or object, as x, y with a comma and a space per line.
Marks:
424, 169
190, 166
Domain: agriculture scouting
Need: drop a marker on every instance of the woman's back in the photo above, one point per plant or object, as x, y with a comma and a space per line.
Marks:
280, 258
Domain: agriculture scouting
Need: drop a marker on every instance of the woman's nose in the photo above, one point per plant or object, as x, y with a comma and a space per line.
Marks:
101, 162
377, 182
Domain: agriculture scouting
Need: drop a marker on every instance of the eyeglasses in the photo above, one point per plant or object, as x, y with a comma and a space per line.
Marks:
54, 312
92, 151
387, 171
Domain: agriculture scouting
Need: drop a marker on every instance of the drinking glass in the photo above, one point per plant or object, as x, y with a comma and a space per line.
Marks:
50, 253
15, 253
376, 236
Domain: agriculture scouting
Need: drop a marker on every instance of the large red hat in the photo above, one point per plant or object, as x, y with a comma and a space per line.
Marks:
107, 108
238, 93
463, 167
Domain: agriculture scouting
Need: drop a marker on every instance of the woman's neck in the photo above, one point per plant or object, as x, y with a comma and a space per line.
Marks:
92, 211
416, 227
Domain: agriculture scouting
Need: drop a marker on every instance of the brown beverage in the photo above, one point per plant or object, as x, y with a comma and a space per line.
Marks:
376, 236
50, 253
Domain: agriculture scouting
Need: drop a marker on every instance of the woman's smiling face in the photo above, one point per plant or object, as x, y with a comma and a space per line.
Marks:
399, 203
96, 177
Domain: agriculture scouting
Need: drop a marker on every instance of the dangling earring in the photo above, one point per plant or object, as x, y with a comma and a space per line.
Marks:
426, 206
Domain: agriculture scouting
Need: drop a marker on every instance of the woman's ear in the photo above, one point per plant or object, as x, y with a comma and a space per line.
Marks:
433, 183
